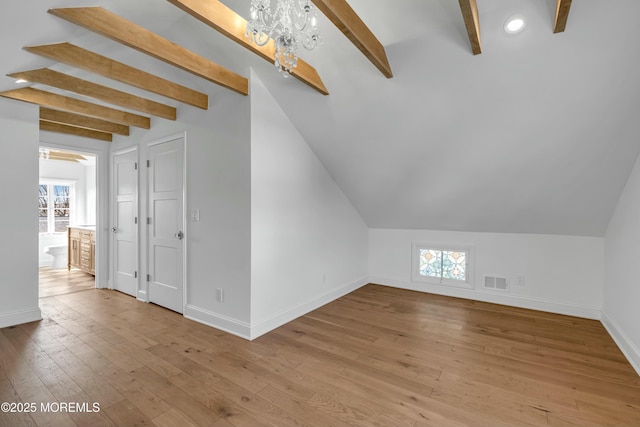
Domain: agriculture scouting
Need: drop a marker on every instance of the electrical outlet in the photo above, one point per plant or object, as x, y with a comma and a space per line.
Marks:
219, 295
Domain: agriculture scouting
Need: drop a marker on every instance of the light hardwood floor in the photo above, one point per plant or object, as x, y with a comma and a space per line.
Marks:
63, 281
377, 357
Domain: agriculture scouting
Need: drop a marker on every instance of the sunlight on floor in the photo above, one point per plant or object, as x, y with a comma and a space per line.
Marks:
62, 281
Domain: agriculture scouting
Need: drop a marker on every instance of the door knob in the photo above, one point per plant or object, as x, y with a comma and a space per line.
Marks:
114, 230
179, 235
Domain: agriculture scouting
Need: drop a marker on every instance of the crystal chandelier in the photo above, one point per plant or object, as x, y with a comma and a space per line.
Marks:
289, 23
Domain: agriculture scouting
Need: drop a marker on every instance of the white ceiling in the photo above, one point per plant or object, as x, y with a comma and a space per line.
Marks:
537, 134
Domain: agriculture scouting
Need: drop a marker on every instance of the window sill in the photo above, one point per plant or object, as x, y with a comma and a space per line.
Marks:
445, 283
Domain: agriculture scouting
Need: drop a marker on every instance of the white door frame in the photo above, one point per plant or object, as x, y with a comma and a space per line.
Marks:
112, 213
145, 239
102, 204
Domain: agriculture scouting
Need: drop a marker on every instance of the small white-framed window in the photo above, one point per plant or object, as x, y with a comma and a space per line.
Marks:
450, 265
55, 206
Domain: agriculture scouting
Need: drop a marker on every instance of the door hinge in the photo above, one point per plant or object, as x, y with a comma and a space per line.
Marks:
148, 220
148, 277
135, 274
148, 163
135, 220
135, 165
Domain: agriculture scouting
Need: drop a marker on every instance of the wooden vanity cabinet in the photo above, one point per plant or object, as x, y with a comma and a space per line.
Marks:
82, 249
74, 248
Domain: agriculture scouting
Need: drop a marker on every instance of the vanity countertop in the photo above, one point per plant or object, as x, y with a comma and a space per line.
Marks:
84, 227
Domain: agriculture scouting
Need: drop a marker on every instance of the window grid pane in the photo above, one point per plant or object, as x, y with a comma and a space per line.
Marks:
61, 200
454, 265
61, 225
430, 263
53, 208
443, 264
43, 208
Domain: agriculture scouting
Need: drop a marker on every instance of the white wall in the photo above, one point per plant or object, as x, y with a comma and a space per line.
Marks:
218, 184
308, 243
90, 194
621, 309
19, 243
563, 274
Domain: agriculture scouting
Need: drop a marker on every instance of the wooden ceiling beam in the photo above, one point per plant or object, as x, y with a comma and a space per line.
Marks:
469, 10
64, 155
562, 14
71, 130
78, 57
110, 25
80, 121
60, 102
69, 83
347, 20
66, 159
224, 20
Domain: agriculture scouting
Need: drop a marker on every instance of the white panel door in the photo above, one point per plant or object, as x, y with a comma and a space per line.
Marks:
166, 224
124, 229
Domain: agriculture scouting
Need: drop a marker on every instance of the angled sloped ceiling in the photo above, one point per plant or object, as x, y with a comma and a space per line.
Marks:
537, 134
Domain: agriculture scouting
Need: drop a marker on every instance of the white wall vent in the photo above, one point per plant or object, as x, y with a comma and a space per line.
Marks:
496, 282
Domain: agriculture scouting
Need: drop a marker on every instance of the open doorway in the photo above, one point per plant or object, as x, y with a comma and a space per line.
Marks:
67, 210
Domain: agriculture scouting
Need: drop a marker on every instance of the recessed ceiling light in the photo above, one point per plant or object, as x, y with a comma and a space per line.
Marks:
514, 24
21, 81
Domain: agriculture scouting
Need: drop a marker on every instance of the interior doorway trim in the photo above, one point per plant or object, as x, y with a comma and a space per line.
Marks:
102, 202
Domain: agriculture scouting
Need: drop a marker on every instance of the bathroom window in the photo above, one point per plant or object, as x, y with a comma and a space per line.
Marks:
54, 206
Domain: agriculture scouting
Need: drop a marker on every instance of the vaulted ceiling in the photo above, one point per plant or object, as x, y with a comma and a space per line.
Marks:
536, 134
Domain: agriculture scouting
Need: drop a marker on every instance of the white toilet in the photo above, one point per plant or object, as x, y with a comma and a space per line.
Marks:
59, 254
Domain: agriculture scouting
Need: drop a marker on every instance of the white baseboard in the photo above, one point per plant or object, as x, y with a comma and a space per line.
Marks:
218, 321
19, 317
286, 316
142, 295
487, 296
628, 348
